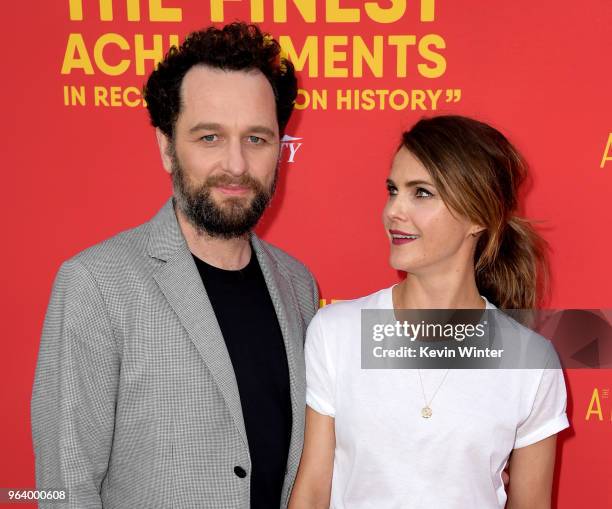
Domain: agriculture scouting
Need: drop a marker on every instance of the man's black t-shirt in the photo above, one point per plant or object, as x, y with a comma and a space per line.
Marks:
250, 328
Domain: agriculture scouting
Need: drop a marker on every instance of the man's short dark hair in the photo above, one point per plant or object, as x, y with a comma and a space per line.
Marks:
236, 47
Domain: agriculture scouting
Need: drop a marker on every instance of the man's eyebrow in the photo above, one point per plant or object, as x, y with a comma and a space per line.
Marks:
261, 129
205, 126
411, 183
213, 126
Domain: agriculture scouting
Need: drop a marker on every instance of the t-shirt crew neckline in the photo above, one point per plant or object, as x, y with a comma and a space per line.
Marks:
229, 273
388, 299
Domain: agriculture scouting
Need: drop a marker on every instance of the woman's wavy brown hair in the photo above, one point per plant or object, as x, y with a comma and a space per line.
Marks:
478, 173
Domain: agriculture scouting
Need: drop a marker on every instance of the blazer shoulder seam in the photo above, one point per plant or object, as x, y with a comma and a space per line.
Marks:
89, 275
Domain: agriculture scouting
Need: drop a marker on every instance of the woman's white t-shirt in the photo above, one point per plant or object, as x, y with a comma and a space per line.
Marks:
387, 456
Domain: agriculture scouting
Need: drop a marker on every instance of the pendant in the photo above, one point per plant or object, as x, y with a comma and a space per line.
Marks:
426, 412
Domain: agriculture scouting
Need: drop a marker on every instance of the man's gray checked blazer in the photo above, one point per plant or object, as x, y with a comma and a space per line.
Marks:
135, 403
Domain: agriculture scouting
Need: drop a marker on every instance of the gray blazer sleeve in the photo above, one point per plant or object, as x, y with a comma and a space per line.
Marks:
75, 387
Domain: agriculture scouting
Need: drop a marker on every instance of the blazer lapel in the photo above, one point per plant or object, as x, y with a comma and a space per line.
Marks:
287, 312
181, 284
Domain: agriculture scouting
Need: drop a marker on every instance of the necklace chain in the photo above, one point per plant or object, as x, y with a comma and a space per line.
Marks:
426, 411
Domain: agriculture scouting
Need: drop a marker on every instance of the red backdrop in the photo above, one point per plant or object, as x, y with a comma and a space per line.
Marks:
79, 169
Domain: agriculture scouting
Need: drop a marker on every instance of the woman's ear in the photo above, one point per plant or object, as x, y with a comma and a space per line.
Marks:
477, 231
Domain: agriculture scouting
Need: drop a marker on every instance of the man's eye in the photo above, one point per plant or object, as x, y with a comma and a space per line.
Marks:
209, 138
422, 193
256, 140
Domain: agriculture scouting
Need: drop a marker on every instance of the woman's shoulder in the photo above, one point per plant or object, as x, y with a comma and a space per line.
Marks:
525, 347
381, 299
336, 328
343, 318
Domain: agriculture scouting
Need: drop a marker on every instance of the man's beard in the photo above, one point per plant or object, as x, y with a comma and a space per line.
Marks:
230, 220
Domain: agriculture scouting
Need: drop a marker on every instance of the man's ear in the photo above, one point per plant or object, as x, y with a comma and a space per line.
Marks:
164, 149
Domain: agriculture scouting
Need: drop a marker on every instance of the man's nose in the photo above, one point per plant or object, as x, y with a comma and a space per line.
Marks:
235, 160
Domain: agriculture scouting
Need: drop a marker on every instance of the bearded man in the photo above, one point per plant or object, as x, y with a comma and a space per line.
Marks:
171, 372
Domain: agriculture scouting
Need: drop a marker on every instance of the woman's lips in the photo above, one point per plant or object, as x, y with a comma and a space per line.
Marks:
399, 237
398, 242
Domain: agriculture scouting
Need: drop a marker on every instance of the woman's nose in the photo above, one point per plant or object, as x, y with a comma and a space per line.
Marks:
396, 210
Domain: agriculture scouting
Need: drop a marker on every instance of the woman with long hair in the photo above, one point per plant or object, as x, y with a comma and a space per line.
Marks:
437, 438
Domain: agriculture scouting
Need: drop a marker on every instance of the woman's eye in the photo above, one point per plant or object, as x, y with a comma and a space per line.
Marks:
391, 190
422, 193
209, 138
256, 140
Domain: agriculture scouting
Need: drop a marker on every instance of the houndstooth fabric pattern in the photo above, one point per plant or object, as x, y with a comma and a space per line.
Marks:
135, 403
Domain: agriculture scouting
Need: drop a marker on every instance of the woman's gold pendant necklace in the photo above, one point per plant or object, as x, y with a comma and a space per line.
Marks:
426, 411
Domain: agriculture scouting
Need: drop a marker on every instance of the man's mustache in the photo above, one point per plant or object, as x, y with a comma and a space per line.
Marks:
227, 180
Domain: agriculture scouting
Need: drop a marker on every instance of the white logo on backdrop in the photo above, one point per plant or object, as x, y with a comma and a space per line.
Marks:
290, 146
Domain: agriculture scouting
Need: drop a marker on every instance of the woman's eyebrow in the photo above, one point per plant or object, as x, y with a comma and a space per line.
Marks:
411, 183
